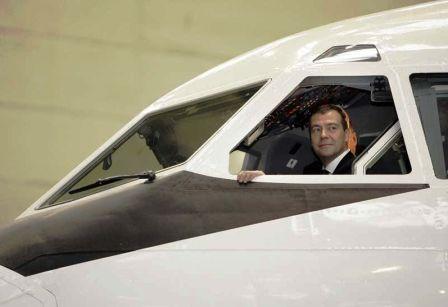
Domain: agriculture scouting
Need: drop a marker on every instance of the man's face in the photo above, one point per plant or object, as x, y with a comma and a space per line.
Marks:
328, 137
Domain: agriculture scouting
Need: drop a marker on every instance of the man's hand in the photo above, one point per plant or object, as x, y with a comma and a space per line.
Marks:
248, 176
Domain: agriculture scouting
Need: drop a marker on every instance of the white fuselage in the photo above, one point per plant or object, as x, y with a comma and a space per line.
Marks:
386, 251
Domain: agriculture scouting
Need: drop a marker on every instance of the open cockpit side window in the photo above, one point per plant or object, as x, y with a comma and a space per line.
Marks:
281, 143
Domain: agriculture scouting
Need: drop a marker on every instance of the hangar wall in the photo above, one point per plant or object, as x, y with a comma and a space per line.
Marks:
73, 72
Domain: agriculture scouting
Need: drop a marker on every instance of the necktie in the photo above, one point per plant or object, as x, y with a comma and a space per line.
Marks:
325, 172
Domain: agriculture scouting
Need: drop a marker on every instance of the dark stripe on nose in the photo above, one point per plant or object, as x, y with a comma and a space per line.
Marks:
176, 207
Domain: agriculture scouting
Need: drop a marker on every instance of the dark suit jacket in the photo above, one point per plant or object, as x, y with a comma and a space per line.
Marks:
344, 167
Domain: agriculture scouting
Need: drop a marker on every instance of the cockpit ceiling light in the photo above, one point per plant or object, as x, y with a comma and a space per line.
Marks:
349, 53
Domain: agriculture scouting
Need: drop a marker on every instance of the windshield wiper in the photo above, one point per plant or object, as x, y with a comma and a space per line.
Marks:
150, 175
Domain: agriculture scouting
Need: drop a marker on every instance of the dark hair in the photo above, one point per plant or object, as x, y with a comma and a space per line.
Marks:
325, 108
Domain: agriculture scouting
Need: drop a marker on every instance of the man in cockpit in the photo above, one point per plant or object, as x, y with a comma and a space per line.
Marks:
332, 140
330, 136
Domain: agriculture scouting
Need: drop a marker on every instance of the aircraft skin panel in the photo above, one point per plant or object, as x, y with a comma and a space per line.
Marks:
18, 291
255, 278
383, 256
180, 206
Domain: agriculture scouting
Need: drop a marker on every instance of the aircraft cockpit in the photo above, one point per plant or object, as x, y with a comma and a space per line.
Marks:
280, 143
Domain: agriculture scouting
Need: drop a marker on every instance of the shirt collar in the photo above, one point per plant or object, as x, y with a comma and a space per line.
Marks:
333, 164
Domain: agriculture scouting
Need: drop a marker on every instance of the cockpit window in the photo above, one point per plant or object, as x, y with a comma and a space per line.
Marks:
282, 143
160, 141
431, 96
392, 160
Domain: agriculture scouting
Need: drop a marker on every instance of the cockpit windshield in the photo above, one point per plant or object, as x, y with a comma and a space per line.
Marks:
158, 142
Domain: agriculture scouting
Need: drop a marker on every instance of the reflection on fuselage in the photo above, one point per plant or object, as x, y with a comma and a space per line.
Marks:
408, 213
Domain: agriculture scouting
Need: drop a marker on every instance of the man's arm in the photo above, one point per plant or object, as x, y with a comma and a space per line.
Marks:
248, 176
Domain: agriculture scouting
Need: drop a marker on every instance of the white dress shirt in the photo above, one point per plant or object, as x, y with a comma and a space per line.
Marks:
333, 164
